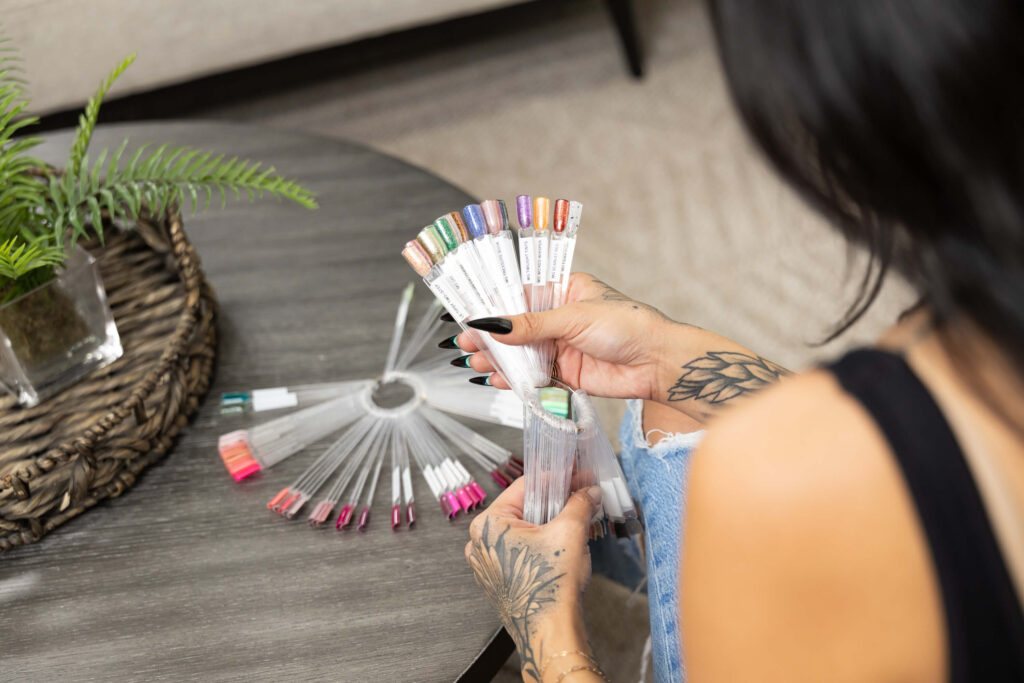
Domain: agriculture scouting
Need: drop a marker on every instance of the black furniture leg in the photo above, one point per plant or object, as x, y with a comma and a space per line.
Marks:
487, 664
625, 24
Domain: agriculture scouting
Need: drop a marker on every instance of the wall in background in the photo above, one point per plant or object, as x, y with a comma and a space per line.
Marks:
69, 46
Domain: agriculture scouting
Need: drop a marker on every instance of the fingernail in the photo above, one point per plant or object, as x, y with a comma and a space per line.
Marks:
462, 361
595, 494
482, 381
447, 317
492, 325
448, 343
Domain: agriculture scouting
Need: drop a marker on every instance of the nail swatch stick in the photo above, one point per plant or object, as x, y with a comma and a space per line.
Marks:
496, 218
280, 398
396, 483
541, 296
562, 261
541, 249
407, 490
527, 254
425, 332
246, 452
396, 337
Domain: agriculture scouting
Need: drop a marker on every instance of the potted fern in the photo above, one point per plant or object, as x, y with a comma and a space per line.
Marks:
55, 323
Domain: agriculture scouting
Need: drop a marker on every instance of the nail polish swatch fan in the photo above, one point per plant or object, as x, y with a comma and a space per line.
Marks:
468, 260
396, 419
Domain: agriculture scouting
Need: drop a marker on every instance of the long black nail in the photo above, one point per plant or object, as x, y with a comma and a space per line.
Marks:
448, 343
462, 361
447, 317
482, 381
492, 325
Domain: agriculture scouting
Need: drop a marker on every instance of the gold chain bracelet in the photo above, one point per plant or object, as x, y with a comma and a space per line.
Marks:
596, 668
566, 653
582, 667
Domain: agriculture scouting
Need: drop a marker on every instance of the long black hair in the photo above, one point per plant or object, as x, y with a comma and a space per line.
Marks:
903, 121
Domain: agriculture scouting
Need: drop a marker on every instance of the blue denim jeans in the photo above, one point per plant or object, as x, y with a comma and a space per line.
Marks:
657, 479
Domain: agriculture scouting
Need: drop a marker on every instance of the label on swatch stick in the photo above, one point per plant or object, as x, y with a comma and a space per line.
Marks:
272, 399
507, 257
557, 260
470, 296
570, 248
528, 260
505, 277
513, 281
442, 289
476, 285
542, 261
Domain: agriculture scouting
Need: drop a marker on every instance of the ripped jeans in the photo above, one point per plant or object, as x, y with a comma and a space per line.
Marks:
657, 479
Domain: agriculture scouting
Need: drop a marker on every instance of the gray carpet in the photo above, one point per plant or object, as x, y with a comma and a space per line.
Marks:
679, 209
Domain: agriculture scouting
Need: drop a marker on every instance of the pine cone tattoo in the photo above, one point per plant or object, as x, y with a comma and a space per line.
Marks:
723, 375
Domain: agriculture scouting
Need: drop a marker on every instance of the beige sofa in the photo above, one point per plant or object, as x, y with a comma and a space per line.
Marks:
68, 46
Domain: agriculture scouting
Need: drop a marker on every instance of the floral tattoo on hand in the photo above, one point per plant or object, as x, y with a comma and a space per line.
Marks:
519, 583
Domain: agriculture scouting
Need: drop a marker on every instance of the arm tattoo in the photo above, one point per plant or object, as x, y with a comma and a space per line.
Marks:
723, 375
517, 582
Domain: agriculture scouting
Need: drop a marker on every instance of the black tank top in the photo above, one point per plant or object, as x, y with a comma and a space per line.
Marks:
984, 619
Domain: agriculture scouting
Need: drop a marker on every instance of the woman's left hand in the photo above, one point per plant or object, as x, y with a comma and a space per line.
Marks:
533, 575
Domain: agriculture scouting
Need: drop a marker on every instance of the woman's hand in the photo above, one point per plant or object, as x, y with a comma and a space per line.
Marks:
535, 576
610, 345
605, 343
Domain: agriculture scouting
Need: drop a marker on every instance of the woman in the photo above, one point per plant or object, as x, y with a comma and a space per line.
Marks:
863, 521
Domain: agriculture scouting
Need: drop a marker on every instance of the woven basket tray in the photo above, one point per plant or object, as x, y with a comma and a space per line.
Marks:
91, 441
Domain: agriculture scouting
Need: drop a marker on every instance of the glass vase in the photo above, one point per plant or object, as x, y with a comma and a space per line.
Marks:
57, 333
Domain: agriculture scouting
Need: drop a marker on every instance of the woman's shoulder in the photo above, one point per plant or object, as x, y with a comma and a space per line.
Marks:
801, 540
801, 411
791, 443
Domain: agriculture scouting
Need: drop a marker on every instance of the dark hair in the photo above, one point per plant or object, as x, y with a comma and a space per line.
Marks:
903, 121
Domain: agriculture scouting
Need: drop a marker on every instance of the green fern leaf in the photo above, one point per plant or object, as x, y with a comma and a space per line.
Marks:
18, 258
87, 121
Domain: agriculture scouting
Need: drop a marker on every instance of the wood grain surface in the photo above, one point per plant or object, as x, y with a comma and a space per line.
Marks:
188, 576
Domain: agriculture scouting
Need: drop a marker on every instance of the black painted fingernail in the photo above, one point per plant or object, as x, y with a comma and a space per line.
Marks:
482, 381
492, 325
447, 317
448, 343
462, 361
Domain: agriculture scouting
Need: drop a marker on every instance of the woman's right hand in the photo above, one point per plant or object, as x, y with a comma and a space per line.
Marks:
605, 343
609, 345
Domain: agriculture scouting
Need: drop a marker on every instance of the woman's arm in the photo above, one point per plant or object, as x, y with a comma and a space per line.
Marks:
702, 372
610, 345
803, 558
534, 577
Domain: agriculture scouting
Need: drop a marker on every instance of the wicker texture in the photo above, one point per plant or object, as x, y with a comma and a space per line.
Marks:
91, 441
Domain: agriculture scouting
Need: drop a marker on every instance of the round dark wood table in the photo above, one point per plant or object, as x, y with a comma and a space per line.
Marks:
188, 575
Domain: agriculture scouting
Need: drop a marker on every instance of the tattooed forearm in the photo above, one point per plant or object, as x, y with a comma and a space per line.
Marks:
518, 582
723, 375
